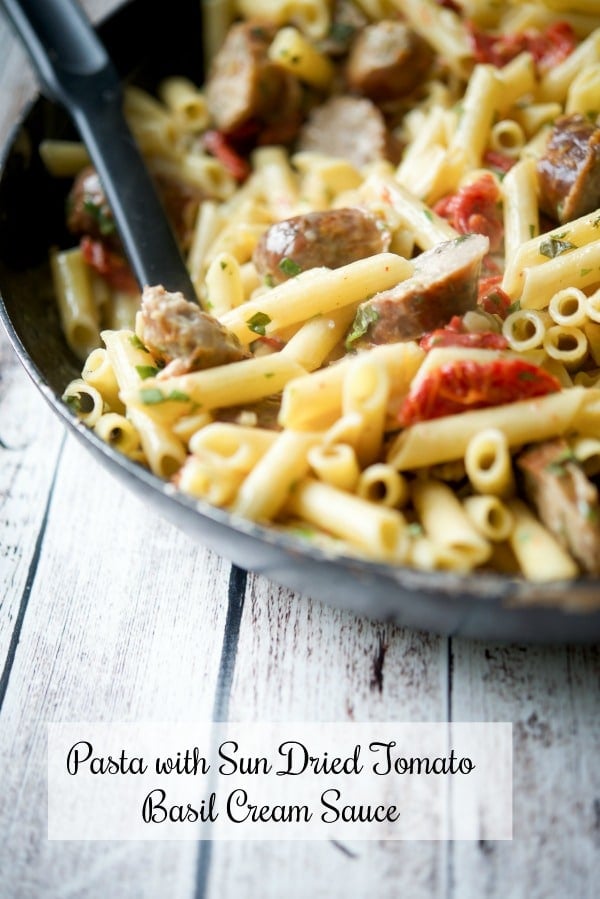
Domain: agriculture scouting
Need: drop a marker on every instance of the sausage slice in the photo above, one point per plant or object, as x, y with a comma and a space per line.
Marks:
351, 128
331, 238
183, 336
245, 89
565, 499
569, 170
444, 283
387, 61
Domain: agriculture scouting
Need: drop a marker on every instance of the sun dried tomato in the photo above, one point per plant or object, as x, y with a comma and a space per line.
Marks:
475, 207
548, 47
552, 45
500, 162
465, 384
455, 334
112, 266
217, 144
491, 298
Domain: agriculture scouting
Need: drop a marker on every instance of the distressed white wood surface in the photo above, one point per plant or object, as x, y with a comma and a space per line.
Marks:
104, 624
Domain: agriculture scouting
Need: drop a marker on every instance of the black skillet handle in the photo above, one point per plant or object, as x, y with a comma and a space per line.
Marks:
75, 70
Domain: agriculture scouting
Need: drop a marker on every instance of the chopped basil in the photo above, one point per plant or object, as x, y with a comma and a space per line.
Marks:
557, 465
428, 214
301, 530
152, 396
146, 371
289, 267
341, 31
514, 307
73, 402
584, 271
258, 323
366, 315
269, 280
101, 215
555, 246
135, 341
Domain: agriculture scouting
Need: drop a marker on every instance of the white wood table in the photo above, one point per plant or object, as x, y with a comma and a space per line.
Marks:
139, 623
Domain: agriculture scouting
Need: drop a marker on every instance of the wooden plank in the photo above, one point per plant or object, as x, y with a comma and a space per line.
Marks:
30, 440
124, 622
299, 660
551, 696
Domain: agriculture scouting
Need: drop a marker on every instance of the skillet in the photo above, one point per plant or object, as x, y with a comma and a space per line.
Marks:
482, 605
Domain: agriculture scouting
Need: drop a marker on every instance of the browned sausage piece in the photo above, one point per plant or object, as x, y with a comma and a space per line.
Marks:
444, 283
347, 19
88, 211
182, 335
565, 499
245, 87
351, 128
331, 238
387, 61
569, 170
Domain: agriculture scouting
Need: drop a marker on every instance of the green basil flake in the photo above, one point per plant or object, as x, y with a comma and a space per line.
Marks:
103, 218
341, 31
555, 246
366, 315
289, 267
178, 395
258, 323
73, 402
151, 396
301, 530
557, 465
146, 371
428, 214
514, 307
584, 271
135, 341
527, 375
269, 280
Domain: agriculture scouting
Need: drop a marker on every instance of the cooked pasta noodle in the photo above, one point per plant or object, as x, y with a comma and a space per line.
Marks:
390, 382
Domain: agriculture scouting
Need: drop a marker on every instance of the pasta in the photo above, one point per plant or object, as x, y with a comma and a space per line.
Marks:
400, 284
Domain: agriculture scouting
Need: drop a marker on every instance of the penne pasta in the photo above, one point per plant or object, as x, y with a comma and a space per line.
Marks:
384, 403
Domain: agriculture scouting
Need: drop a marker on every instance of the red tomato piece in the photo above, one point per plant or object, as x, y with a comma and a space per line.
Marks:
466, 384
113, 267
448, 336
491, 298
475, 207
548, 47
217, 144
500, 162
